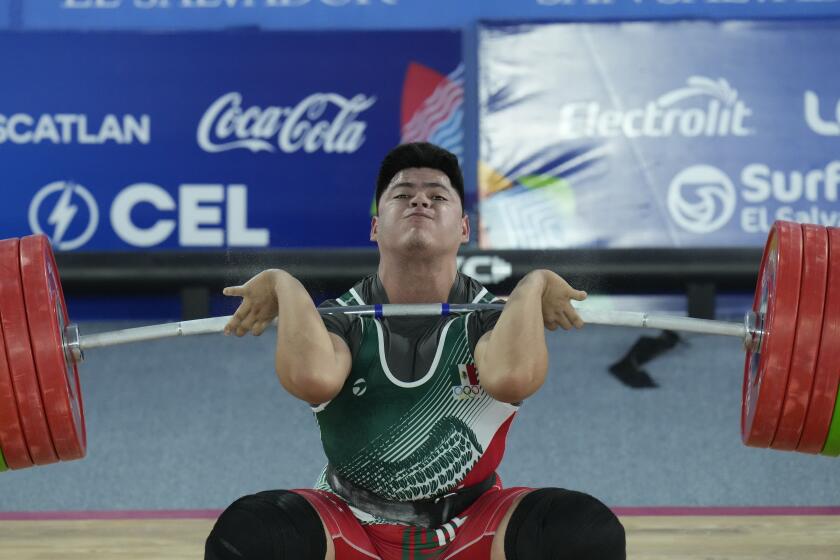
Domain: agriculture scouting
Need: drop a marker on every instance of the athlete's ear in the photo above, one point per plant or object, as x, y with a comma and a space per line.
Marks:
465, 229
374, 222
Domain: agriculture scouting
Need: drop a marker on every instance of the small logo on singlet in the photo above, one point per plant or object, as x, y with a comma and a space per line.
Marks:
359, 387
469, 387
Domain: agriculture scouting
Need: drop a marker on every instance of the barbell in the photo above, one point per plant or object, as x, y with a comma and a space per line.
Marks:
791, 336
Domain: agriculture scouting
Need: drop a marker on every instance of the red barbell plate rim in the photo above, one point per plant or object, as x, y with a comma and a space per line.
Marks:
58, 381
76, 382
827, 377
12, 440
765, 392
809, 323
75, 368
19, 355
751, 360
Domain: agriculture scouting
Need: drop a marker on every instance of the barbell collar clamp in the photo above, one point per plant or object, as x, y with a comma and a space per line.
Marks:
753, 332
72, 343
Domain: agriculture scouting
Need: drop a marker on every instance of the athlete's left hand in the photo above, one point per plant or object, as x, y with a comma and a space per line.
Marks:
557, 308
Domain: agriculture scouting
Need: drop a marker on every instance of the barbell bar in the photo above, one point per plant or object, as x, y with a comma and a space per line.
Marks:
791, 337
746, 331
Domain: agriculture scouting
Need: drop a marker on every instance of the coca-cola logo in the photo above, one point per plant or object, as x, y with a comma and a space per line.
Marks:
321, 121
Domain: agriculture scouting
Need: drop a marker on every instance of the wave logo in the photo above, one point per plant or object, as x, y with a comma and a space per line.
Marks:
720, 113
71, 218
433, 108
815, 121
701, 199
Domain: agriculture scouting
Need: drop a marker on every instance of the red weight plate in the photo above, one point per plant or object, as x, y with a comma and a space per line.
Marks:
775, 304
19, 355
12, 440
806, 345
47, 315
827, 376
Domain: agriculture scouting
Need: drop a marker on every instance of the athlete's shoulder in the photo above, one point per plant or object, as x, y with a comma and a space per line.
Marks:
474, 292
362, 293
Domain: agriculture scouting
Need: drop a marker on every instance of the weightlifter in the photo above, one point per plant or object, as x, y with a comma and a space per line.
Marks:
413, 411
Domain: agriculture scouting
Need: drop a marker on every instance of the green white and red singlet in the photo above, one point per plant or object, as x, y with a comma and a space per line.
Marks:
412, 421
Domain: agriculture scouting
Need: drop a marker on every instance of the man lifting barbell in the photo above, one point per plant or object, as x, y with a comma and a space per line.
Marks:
413, 411
789, 396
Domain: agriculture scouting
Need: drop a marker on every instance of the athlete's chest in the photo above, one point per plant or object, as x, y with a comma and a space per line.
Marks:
412, 351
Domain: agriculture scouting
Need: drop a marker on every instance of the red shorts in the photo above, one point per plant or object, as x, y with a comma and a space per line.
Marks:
468, 536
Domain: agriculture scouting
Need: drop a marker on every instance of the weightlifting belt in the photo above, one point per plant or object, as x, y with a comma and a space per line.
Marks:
428, 513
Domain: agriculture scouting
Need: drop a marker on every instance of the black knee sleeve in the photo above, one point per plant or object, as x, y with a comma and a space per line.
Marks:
559, 524
273, 525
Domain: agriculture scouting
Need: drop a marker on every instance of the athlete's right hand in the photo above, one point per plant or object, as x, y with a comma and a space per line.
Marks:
259, 304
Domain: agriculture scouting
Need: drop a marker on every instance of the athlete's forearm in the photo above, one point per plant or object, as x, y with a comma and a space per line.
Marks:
514, 361
305, 358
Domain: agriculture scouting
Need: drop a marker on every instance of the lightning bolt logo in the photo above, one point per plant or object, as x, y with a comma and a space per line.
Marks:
74, 203
62, 215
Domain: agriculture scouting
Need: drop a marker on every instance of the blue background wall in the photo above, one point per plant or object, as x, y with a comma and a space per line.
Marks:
173, 15
221, 429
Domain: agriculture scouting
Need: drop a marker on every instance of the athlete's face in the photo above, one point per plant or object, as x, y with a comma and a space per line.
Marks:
420, 211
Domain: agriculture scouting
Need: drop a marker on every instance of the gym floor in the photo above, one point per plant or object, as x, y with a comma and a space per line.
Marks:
191, 424
648, 538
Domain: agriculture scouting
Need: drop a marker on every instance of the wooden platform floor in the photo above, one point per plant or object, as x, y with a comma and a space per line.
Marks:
649, 538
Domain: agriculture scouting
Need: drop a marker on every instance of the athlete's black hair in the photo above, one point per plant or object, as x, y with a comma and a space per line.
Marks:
420, 154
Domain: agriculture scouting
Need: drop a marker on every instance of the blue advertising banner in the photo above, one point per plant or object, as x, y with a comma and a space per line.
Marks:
656, 134
385, 14
655, 9
271, 14
229, 139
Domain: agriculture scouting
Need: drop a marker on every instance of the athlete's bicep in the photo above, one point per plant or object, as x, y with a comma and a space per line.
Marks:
343, 357
479, 354
481, 349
